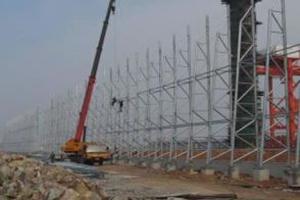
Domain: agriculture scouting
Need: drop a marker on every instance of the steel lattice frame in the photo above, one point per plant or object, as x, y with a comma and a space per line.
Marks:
178, 106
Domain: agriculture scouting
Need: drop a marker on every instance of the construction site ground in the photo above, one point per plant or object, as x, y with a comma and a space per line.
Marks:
125, 180
34, 177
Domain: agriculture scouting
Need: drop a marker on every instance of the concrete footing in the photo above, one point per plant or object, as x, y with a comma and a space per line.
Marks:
144, 164
156, 165
234, 173
208, 171
193, 172
114, 161
261, 174
121, 162
131, 163
294, 178
170, 167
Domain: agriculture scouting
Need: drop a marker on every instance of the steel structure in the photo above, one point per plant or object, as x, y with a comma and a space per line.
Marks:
279, 67
244, 85
178, 107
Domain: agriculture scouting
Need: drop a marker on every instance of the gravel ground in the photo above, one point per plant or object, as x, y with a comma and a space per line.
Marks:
137, 181
23, 178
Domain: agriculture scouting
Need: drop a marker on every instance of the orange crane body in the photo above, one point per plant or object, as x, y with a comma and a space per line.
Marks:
76, 144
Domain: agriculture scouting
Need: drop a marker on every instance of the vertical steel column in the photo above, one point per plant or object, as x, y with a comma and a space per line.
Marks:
297, 154
58, 131
127, 116
275, 117
254, 76
285, 65
174, 135
209, 91
264, 130
52, 131
229, 64
148, 107
137, 107
111, 121
38, 133
190, 96
118, 115
160, 101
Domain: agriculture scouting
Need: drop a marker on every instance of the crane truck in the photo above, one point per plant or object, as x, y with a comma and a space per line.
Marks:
77, 149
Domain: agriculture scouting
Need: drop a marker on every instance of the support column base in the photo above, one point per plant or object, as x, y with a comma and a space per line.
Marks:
193, 172
261, 174
144, 164
234, 173
208, 171
156, 165
121, 162
131, 163
294, 178
170, 167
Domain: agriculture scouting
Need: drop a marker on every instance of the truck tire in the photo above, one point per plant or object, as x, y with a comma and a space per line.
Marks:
100, 162
82, 160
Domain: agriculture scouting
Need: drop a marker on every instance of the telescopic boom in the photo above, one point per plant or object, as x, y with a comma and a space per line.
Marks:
92, 78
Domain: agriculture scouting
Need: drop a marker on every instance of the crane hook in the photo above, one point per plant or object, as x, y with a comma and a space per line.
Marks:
113, 8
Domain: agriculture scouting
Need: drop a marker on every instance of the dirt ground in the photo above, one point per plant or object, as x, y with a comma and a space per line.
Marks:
137, 181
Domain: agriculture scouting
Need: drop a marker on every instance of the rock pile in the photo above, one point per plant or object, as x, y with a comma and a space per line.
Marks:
22, 178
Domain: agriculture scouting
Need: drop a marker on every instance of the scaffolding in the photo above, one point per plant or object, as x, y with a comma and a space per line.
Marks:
183, 106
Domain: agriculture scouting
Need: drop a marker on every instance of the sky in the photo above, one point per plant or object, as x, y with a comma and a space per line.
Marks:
47, 46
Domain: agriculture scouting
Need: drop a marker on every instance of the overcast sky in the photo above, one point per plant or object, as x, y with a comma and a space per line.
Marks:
47, 46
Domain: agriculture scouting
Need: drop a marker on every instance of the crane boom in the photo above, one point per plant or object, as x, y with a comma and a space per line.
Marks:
75, 147
92, 78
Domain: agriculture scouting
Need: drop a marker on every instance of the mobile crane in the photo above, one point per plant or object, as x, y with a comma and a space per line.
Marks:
77, 148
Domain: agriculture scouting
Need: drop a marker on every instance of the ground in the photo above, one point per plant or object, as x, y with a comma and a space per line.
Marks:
23, 178
138, 181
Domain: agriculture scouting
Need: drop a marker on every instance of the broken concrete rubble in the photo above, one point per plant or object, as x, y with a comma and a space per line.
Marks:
23, 178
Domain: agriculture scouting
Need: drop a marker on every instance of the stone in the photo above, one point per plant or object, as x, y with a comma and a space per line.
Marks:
120, 198
55, 194
6, 172
27, 193
91, 196
22, 179
20, 174
6, 158
12, 191
80, 187
41, 188
37, 196
70, 194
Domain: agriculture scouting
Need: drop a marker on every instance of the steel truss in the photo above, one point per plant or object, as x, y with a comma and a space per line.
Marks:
280, 103
182, 105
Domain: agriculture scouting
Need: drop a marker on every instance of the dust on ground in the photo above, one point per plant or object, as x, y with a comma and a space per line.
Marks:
139, 181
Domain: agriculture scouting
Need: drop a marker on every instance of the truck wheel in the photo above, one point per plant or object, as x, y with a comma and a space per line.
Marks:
100, 162
89, 162
82, 160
